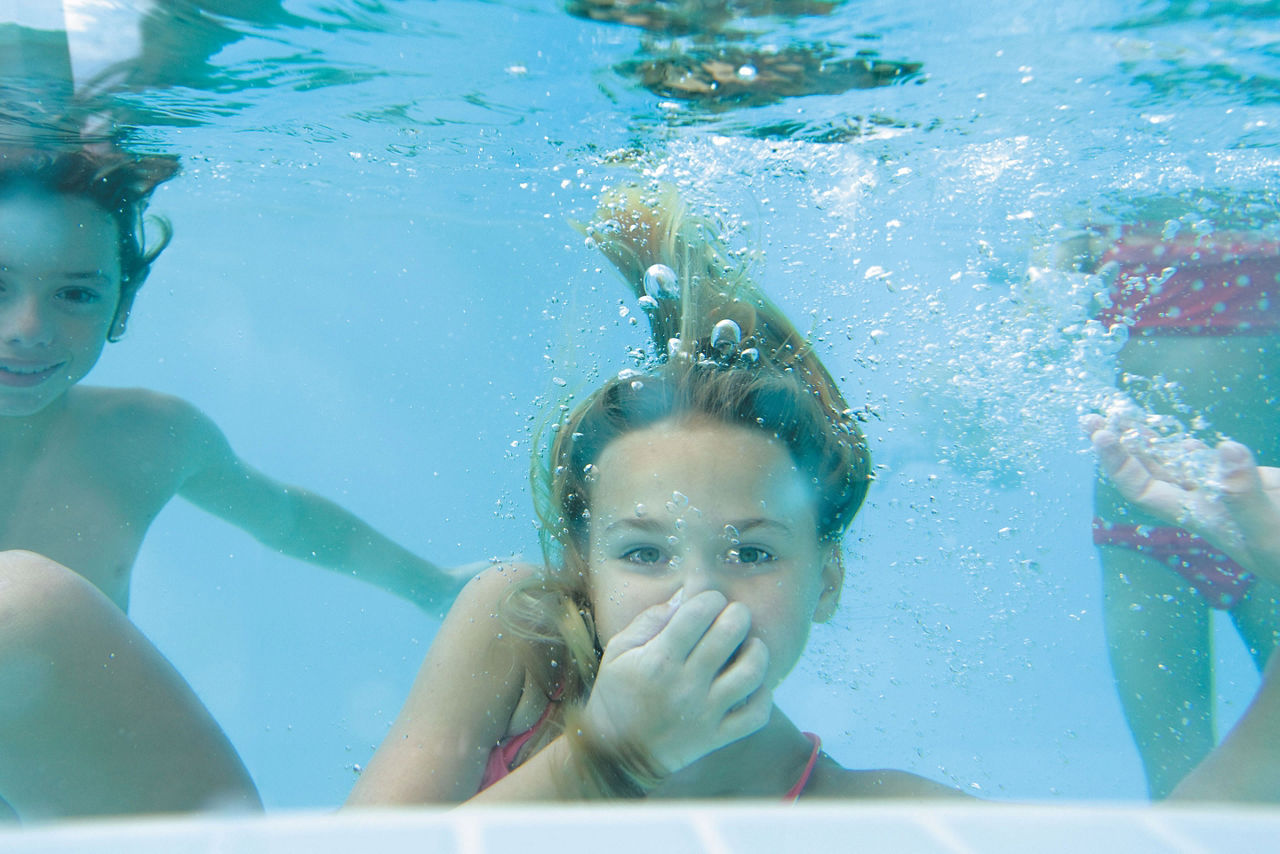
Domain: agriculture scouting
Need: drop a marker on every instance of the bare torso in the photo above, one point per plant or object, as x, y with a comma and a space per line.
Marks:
84, 479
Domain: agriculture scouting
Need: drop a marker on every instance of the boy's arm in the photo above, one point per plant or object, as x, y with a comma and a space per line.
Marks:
303, 525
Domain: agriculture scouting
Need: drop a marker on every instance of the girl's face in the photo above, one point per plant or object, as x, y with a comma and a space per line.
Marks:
709, 506
59, 293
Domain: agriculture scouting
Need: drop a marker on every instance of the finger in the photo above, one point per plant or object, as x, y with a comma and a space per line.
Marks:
747, 717
1237, 470
644, 627
1135, 480
722, 640
1243, 494
1110, 453
689, 623
1270, 477
1092, 423
743, 677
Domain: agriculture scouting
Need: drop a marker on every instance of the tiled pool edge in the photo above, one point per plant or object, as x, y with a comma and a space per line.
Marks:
714, 829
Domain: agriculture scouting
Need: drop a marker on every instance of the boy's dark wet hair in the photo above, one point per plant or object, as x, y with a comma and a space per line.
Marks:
116, 180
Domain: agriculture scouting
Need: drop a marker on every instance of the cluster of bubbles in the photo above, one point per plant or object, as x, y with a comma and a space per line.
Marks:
1010, 377
662, 284
1162, 439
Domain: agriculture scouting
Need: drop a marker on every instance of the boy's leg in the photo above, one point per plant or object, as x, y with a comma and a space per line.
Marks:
93, 719
1158, 638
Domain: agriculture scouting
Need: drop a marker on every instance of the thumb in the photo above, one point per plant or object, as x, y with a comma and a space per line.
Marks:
1242, 491
643, 628
1237, 470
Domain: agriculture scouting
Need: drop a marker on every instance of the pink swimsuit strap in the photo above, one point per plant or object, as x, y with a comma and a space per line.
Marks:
793, 794
503, 756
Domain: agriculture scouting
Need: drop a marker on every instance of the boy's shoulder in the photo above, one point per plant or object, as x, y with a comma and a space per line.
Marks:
146, 420
135, 408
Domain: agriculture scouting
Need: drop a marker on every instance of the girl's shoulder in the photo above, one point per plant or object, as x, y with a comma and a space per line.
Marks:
476, 622
832, 780
484, 594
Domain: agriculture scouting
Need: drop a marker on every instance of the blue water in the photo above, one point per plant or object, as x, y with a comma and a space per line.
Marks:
373, 285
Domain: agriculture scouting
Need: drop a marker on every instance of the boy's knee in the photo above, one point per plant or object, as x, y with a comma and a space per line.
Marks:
35, 591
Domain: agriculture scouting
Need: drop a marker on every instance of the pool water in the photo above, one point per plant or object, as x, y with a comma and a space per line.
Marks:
374, 286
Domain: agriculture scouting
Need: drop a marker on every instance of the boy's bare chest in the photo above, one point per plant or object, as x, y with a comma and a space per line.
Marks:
84, 503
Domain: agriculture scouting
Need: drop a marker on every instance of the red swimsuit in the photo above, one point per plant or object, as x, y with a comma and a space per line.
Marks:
1220, 284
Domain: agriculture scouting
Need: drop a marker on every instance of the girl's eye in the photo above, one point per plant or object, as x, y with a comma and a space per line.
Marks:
643, 555
749, 554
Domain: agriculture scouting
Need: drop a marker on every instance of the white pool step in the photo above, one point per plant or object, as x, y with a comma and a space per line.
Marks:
902, 828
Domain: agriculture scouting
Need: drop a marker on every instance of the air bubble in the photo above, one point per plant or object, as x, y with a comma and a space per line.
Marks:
725, 337
660, 282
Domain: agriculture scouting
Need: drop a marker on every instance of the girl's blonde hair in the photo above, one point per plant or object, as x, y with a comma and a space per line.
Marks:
758, 374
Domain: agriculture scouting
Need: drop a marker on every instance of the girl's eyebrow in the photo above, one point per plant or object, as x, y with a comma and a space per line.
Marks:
637, 523
648, 524
758, 522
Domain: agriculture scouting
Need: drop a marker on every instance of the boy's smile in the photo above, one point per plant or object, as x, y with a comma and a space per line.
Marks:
59, 291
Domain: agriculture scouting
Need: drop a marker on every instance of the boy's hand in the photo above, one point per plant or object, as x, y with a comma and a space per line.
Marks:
682, 680
1235, 503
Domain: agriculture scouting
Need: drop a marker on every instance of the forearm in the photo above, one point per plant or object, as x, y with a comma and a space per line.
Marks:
573, 767
323, 533
1246, 765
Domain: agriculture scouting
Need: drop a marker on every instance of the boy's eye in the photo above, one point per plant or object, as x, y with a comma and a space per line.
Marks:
80, 296
749, 554
643, 555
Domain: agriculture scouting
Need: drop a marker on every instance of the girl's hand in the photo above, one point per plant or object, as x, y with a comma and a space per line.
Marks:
681, 680
1234, 503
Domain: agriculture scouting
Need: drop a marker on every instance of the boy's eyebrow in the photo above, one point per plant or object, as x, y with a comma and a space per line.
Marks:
78, 275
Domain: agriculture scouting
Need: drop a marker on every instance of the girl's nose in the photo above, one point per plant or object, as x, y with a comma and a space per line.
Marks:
699, 576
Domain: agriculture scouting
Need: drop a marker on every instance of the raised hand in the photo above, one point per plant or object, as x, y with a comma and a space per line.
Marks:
1222, 494
681, 680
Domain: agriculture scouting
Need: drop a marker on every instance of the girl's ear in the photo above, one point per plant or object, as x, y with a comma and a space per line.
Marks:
832, 582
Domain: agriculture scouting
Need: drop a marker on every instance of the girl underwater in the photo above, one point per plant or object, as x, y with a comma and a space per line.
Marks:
692, 519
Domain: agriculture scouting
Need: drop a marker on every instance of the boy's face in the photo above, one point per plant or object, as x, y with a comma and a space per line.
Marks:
59, 292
